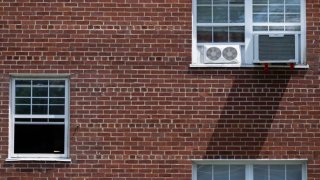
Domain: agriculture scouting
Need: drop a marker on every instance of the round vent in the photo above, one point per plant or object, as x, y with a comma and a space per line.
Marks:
213, 53
230, 53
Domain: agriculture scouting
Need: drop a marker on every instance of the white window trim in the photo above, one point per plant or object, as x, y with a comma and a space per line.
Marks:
39, 157
249, 49
249, 165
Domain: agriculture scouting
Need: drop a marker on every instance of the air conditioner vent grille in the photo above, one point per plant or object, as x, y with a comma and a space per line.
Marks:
222, 54
213, 53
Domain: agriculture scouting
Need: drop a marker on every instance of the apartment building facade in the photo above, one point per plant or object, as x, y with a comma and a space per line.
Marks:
160, 89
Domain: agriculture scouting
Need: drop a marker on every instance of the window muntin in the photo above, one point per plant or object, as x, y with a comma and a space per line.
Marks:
39, 118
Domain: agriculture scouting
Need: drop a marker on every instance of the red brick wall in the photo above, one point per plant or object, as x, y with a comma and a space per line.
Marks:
141, 112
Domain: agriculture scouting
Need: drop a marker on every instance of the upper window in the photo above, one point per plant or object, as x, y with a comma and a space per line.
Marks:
39, 118
244, 33
250, 170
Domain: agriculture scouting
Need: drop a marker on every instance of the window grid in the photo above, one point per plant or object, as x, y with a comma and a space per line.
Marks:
54, 97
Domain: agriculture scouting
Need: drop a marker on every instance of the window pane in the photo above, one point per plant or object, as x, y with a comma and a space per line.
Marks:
39, 109
39, 139
204, 34
204, 14
204, 1
40, 92
294, 172
23, 82
293, 18
39, 120
57, 82
22, 120
260, 1
220, 34
204, 172
56, 120
260, 28
57, 92
236, 1
221, 172
260, 18
260, 172
23, 91
237, 14
276, 28
40, 83
276, 8
23, 101
39, 101
260, 9
292, 1
22, 109
277, 172
237, 172
276, 1
59, 110
293, 28
236, 34
56, 101
276, 18
220, 1
220, 14
292, 9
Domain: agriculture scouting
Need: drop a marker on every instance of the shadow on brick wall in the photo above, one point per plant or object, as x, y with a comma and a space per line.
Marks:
253, 106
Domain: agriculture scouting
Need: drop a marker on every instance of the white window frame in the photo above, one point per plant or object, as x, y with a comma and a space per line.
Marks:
249, 165
41, 156
248, 60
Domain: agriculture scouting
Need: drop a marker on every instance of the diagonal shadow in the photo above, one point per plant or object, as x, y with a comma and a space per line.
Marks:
250, 108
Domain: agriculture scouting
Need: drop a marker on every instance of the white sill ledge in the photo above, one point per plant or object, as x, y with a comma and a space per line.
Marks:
297, 66
67, 160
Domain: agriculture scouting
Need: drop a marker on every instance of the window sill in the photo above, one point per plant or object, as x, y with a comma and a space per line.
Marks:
67, 160
298, 66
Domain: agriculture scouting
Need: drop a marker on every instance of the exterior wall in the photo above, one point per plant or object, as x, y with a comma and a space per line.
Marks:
137, 110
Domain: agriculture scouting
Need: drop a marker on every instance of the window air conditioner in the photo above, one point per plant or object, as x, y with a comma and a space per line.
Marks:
276, 48
222, 54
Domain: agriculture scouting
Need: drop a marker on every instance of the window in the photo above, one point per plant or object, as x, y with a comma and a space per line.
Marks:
39, 127
235, 33
250, 170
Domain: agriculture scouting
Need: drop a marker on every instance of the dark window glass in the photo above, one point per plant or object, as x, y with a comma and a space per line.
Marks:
57, 92
56, 101
23, 91
22, 109
236, 34
22, 120
40, 83
220, 34
39, 139
57, 82
39, 109
23, 101
204, 34
23, 82
56, 110
40, 92
39, 120
39, 101
56, 120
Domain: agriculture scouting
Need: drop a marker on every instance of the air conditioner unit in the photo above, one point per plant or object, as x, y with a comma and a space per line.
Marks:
222, 54
276, 48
